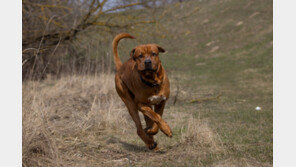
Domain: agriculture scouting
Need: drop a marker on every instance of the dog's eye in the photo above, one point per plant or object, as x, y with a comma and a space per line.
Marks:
153, 54
140, 56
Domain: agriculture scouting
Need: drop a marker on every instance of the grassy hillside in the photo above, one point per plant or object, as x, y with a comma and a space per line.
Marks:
225, 48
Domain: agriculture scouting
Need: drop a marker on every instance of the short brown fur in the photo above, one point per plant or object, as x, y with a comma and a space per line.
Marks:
140, 86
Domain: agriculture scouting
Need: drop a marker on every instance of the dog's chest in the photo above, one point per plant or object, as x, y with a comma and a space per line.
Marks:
156, 99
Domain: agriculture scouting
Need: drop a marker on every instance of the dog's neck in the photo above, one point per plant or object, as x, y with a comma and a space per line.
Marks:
150, 84
154, 79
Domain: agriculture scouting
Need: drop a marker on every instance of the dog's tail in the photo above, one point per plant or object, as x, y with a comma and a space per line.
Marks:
118, 37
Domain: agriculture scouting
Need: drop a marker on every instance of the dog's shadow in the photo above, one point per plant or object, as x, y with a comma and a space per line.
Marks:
128, 146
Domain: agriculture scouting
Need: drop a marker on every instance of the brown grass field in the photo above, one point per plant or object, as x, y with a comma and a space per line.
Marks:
84, 123
81, 121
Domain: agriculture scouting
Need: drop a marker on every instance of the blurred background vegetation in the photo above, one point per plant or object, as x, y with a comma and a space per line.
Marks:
74, 36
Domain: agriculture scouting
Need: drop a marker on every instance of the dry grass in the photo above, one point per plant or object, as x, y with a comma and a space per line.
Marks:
81, 121
240, 162
57, 112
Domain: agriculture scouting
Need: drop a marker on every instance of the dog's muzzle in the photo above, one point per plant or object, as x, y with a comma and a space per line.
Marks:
148, 64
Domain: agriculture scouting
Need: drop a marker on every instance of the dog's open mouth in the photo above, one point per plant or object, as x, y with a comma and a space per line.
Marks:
149, 69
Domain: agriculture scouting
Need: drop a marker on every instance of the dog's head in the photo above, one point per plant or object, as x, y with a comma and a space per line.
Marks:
146, 57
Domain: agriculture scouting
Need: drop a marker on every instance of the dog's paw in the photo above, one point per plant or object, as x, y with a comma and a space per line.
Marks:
153, 146
166, 129
168, 133
156, 99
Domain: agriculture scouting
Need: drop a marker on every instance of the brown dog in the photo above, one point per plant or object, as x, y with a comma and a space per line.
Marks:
141, 82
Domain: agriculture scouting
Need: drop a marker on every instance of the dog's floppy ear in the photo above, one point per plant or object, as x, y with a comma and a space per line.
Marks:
160, 49
133, 53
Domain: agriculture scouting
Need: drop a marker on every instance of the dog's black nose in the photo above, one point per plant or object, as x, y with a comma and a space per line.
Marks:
147, 62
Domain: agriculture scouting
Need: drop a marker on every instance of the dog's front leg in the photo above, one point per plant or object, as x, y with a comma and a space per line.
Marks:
148, 140
153, 128
133, 111
147, 111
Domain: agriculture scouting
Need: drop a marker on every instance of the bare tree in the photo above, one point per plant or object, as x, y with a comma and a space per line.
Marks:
53, 21
48, 24
56, 34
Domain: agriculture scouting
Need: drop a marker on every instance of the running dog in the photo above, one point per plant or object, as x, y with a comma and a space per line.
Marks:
141, 82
